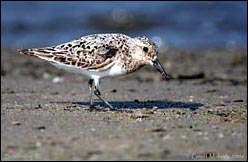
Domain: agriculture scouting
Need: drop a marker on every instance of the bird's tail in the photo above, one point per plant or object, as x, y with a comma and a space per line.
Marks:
44, 53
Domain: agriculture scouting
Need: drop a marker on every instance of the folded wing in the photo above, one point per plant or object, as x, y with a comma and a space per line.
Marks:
93, 52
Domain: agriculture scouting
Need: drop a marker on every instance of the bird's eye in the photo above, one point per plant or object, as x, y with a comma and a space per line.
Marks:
145, 49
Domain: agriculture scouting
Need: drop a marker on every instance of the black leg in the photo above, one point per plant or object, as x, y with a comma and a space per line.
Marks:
98, 94
90, 85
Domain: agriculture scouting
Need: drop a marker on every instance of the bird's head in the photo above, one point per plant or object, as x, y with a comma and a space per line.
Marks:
145, 50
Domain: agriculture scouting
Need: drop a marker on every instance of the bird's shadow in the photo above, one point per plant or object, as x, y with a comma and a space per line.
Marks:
159, 104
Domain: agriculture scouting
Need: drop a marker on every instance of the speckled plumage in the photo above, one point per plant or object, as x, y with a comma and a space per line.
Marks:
100, 55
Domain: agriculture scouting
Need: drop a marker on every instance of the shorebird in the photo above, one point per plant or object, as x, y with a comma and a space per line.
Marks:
101, 55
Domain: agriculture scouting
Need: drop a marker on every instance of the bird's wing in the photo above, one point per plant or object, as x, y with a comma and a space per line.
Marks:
93, 52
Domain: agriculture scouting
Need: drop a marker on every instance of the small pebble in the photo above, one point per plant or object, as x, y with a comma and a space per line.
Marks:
238, 100
221, 135
38, 144
166, 137
158, 130
16, 123
136, 100
191, 98
58, 79
41, 128
114, 91
38, 107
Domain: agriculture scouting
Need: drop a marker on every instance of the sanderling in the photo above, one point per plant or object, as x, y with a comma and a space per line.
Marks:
100, 55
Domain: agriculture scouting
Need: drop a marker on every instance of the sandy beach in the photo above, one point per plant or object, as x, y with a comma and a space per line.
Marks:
201, 114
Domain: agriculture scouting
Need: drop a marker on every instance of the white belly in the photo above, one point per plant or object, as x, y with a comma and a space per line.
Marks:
112, 71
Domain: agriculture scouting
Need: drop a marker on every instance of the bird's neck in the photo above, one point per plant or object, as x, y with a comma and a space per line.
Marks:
131, 64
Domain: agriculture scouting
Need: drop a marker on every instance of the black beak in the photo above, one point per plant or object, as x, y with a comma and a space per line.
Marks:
159, 67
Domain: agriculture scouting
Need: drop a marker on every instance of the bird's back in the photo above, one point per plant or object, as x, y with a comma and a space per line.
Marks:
94, 53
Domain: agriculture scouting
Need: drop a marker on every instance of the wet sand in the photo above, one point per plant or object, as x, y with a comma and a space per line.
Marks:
200, 114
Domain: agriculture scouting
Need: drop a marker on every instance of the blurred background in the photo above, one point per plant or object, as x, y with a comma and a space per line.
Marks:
184, 25
196, 40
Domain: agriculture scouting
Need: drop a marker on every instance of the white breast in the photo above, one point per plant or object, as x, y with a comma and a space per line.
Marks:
115, 70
